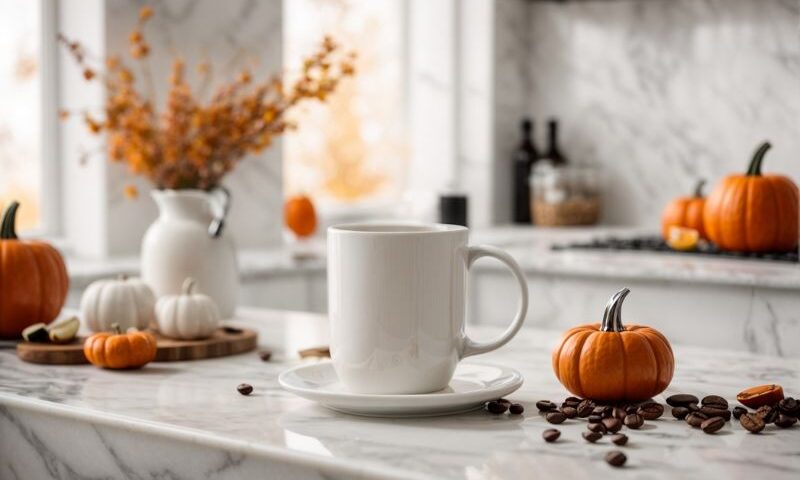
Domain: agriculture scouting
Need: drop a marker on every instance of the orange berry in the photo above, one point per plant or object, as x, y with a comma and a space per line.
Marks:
300, 215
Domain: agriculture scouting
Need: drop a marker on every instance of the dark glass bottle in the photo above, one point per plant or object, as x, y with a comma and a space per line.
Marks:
524, 157
553, 153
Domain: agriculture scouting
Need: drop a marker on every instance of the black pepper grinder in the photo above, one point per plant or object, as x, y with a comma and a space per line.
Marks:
524, 157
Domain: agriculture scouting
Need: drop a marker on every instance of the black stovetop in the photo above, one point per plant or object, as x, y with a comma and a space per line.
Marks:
657, 244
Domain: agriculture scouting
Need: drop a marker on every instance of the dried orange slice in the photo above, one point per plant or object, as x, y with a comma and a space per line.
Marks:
761, 395
683, 239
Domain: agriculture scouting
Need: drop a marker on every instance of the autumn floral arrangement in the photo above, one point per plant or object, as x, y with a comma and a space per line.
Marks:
193, 142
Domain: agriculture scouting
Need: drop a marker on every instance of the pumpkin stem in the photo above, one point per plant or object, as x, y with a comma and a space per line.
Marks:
188, 286
8, 227
758, 157
612, 318
698, 190
116, 329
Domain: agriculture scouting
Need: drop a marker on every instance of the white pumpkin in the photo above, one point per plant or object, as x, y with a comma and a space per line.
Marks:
187, 316
128, 302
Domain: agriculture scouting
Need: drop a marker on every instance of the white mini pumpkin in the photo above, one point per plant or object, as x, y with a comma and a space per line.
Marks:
187, 316
128, 302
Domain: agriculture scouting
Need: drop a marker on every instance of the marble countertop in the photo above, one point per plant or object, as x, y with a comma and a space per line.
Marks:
531, 248
198, 402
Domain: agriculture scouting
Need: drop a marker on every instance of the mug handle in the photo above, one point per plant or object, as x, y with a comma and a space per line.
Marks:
475, 252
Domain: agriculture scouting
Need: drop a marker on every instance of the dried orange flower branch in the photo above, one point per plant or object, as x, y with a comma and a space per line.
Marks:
191, 143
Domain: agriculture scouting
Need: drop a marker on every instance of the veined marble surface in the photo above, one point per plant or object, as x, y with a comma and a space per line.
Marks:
186, 420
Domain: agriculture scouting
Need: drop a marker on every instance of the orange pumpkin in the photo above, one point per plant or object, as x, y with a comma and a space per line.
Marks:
686, 212
611, 362
120, 350
753, 212
300, 215
33, 279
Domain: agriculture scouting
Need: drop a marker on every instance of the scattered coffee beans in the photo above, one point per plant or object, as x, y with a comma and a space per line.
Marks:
785, 421
592, 436
680, 412
711, 425
789, 406
715, 401
612, 424
595, 419
585, 408
619, 439
615, 458
597, 427
497, 407
752, 422
245, 389
716, 412
551, 435
569, 412
571, 402
516, 409
545, 405
738, 412
555, 417
695, 419
631, 409
620, 413
767, 413
650, 410
634, 421
681, 400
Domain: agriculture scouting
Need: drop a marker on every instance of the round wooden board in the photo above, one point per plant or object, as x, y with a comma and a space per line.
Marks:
222, 343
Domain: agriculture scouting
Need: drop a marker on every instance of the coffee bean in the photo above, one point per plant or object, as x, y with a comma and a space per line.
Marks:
265, 355
569, 412
615, 458
620, 413
634, 421
716, 412
785, 421
752, 422
693, 407
695, 419
597, 427
574, 400
715, 401
619, 439
571, 402
680, 412
681, 400
650, 410
789, 406
555, 417
711, 425
599, 410
545, 405
767, 413
245, 389
592, 436
738, 412
595, 419
496, 407
585, 408
504, 400
516, 409
551, 435
612, 424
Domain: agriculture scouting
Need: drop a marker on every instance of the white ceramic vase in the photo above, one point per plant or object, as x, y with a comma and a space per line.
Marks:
188, 240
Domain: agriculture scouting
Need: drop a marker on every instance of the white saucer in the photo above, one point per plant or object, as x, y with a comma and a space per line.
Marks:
472, 385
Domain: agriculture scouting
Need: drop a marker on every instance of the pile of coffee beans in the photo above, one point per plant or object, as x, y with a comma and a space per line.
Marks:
501, 406
712, 412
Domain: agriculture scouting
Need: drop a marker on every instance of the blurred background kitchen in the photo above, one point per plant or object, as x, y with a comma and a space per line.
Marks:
558, 130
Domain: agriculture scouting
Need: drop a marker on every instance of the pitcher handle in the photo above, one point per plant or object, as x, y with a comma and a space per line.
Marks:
220, 204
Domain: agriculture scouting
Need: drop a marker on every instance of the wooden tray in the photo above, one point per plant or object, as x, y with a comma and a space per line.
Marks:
222, 343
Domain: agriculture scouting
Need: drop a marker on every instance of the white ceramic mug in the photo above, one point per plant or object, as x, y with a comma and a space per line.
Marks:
397, 301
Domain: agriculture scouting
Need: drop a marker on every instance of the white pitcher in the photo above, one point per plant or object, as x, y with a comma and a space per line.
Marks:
188, 240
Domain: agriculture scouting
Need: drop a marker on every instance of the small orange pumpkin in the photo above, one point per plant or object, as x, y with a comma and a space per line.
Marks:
611, 362
119, 350
686, 212
33, 279
300, 215
753, 212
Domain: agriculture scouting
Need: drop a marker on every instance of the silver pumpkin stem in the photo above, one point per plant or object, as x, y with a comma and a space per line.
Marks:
612, 318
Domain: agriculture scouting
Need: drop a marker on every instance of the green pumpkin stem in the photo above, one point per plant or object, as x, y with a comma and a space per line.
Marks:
698, 190
8, 230
612, 318
758, 158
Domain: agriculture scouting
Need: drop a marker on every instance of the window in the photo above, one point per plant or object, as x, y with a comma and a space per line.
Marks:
352, 150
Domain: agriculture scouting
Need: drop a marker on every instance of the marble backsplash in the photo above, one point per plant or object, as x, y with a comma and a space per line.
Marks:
661, 93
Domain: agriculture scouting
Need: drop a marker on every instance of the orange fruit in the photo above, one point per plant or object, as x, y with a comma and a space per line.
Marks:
761, 395
300, 215
683, 239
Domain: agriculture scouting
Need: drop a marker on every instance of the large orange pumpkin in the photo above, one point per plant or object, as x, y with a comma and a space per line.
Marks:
753, 212
118, 350
685, 212
33, 279
610, 362
300, 215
